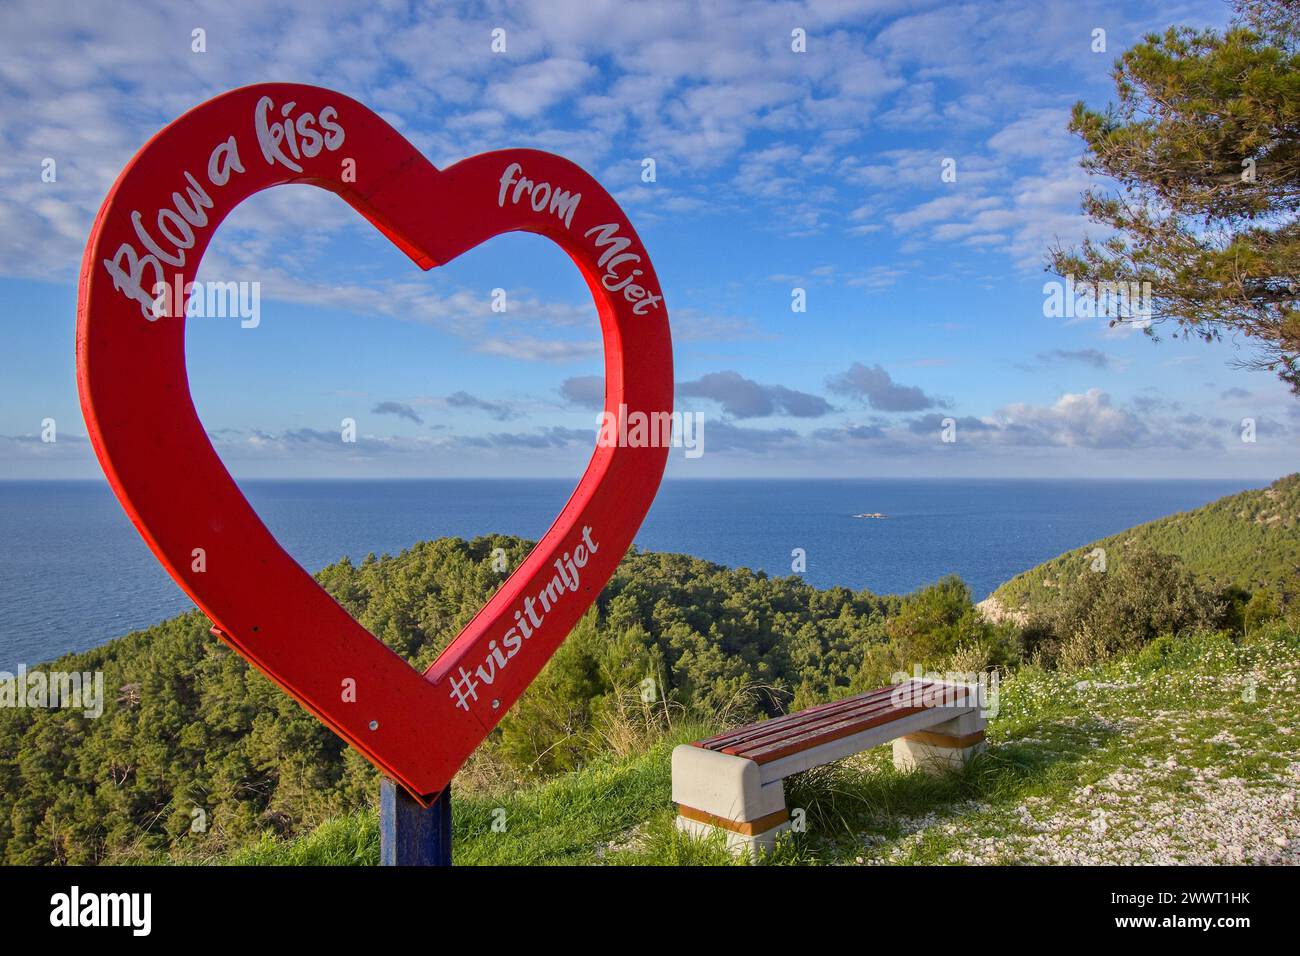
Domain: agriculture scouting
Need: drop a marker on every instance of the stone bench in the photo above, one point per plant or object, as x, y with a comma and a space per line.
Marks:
733, 782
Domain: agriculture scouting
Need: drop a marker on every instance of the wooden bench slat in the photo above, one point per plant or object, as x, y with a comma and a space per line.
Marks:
799, 717
805, 719
763, 736
788, 720
781, 736
783, 747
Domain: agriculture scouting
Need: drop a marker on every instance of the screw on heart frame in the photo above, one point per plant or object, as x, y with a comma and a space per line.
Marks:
154, 226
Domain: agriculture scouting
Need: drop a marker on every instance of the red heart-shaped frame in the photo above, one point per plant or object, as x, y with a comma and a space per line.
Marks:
155, 225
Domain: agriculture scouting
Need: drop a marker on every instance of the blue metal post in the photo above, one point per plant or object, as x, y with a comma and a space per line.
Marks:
409, 834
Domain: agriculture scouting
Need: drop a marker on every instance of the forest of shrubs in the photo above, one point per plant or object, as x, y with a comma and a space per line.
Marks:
1250, 540
191, 732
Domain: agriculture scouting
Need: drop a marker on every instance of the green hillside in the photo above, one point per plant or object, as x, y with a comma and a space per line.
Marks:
1172, 755
1249, 540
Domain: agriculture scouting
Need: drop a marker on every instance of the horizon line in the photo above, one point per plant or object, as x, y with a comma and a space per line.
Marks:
684, 480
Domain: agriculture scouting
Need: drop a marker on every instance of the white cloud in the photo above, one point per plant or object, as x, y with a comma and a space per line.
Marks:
1088, 420
532, 88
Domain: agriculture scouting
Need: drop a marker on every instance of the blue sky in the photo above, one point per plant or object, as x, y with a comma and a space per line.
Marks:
774, 170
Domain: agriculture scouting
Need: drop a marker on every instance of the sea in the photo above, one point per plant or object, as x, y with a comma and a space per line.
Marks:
74, 572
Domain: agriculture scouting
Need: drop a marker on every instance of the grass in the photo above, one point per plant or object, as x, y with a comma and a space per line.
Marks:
578, 818
1183, 753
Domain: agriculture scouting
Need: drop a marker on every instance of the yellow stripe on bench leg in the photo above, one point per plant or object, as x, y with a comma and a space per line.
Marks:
746, 828
943, 740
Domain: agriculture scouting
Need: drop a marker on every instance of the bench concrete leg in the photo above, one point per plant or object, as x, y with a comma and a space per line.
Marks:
947, 746
719, 793
752, 845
